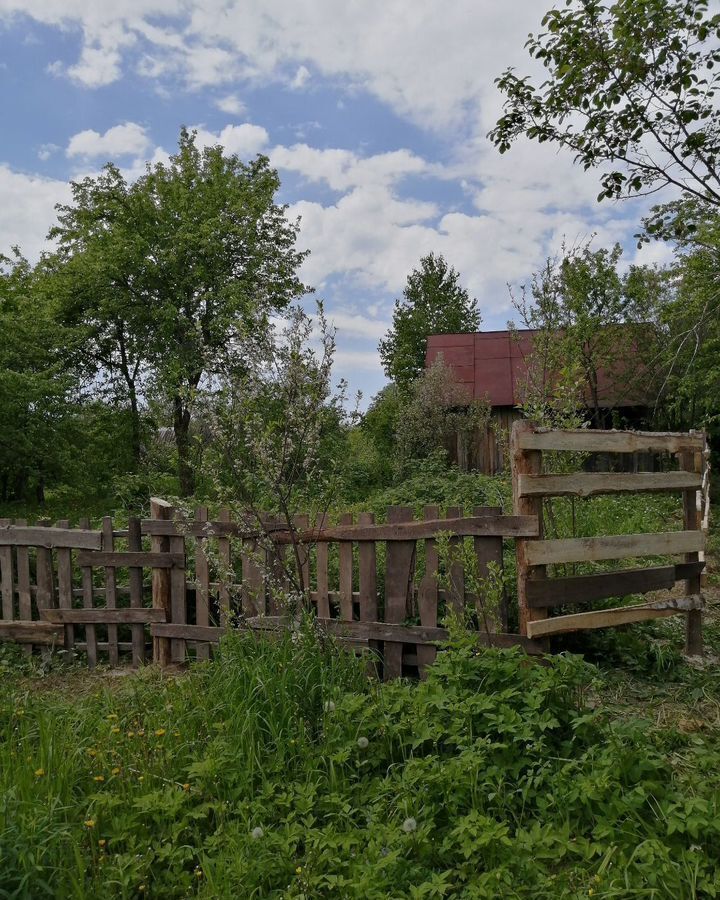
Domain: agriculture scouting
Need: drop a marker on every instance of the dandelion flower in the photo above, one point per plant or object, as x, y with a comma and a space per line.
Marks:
257, 833
186, 786
92, 752
116, 770
363, 743
112, 716
329, 706
98, 778
198, 872
131, 734
298, 871
115, 730
89, 823
102, 842
141, 778
159, 732
591, 891
39, 773
409, 825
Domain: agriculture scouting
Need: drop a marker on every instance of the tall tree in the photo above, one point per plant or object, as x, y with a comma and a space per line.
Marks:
172, 271
595, 337
433, 302
630, 87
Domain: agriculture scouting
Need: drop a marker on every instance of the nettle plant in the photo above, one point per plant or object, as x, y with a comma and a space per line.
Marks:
279, 430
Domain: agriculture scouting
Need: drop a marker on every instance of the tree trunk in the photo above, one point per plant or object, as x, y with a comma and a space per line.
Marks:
181, 428
134, 424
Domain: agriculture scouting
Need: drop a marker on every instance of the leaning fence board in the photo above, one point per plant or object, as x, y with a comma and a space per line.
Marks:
27, 632
400, 563
132, 616
605, 618
602, 585
619, 546
50, 538
589, 484
591, 441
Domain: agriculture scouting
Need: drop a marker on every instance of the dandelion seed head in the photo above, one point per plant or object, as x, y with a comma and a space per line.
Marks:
409, 825
257, 833
329, 706
363, 743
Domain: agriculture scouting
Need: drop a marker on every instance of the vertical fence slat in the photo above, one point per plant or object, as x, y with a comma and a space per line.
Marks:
161, 510
178, 599
136, 590
345, 552
490, 550
323, 590
692, 462
65, 587
22, 557
525, 462
253, 600
302, 523
6, 579
455, 595
87, 595
226, 574
110, 591
367, 556
428, 596
400, 558
202, 582
44, 576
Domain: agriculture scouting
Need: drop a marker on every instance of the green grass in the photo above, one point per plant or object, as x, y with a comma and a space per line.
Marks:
280, 770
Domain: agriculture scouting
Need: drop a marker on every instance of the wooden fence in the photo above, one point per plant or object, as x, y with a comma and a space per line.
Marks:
373, 585
538, 594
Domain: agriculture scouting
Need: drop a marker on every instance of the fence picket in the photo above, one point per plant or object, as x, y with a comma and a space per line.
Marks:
428, 597
22, 558
400, 563
110, 591
65, 586
202, 579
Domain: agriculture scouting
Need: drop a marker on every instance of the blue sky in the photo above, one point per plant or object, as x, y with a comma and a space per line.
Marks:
374, 113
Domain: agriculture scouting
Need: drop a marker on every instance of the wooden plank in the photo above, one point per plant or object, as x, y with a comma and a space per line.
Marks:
303, 549
6, 577
490, 550
691, 520
110, 591
45, 596
606, 618
225, 561
399, 566
355, 631
595, 441
618, 546
161, 511
367, 583
135, 578
28, 632
202, 590
65, 587
178, 599
86, 576
526, 462
586, 588
131, 559
253, 579
469, 526
279, 582
345, 552
24, 591
589, 484
322, 597
456, 576
49, 538
132, 616
428, 597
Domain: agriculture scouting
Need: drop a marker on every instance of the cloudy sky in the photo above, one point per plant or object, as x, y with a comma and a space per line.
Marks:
374, 112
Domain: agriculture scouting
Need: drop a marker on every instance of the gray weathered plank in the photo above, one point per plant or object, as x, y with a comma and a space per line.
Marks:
618, 546
590, 484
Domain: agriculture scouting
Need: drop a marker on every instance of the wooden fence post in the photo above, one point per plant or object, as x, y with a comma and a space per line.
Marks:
691, 461
161, 509
136, 591
399, 567
525, 462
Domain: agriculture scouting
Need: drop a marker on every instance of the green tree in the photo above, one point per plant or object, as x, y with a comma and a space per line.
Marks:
630, 87
595, 335
171, 272
433, 302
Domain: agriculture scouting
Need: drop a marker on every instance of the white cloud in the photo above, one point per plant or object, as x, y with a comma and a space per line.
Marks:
120, 140
230, 104
357, 325
302, 76
28, 209
47, 150
246, 140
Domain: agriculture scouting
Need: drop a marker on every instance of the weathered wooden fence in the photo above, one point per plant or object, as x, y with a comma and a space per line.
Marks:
538, 594
373, 585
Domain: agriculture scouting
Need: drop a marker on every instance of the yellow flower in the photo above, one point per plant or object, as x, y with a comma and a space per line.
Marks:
186, 787
39, 773
298, 871
92, 752
98, 778
115, 730
141, 888
102, 842
131, 734
116, 770
198, 872
159, 732
591, 892
141, 778
176, 734
112, 716
89, 823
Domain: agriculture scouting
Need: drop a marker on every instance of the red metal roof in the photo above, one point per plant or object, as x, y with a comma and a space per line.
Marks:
493, 365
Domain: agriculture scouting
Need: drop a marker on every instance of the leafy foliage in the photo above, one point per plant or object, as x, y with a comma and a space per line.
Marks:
433, 302
631, 88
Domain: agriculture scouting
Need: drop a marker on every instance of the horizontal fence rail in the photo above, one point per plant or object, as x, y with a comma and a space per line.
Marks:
532, 486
